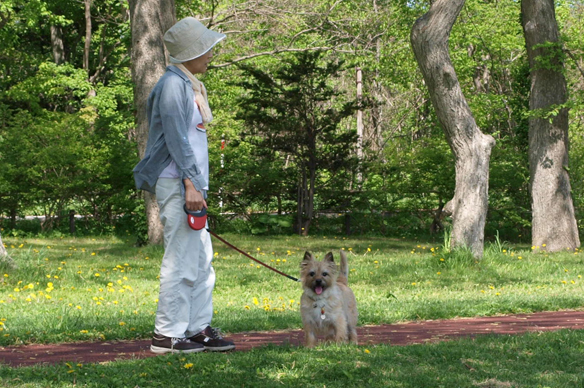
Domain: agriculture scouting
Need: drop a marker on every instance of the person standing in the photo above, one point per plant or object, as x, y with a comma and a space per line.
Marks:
176, 168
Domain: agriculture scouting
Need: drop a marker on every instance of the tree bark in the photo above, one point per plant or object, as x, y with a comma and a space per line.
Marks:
149, 21
2, 248
471, 148
553, 218
87, 48
57, 44
4, 257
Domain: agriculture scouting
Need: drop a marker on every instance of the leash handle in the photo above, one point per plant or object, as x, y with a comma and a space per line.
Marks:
254, 259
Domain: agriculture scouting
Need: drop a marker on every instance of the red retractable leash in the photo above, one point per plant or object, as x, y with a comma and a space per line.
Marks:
197, 221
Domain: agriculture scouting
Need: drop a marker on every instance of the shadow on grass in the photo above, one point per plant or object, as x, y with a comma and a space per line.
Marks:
550, 359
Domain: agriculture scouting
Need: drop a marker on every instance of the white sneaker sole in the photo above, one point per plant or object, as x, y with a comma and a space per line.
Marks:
219, 349
161, 350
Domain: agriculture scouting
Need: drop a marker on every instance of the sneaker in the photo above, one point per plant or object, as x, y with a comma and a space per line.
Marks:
162, 344
212, 340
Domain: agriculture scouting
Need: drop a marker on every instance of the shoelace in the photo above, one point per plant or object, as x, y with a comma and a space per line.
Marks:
215, 333
175, 340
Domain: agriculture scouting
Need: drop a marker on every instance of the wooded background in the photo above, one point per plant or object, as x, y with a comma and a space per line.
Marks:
284, 145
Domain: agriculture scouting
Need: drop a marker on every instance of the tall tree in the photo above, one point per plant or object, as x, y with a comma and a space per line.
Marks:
297, 112
553, 220
4, 257
471, 148
149, 20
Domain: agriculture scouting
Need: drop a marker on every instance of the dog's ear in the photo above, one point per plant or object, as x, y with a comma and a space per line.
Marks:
329, 257
307, 259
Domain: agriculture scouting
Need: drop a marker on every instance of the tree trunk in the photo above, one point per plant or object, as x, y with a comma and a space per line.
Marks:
57, 44
149, 20
471, 148
2, 248
4, 258
553, 219
87, 48
360, 124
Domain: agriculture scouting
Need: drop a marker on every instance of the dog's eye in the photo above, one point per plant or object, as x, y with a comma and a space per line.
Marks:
325, 274
311, 273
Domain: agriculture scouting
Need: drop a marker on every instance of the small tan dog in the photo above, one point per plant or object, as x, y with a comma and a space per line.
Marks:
328, 306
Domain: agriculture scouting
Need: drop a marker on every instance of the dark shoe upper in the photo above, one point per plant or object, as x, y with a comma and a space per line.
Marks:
163, 344
212, 340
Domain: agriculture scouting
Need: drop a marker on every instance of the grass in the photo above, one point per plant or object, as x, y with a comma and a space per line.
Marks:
552, 359
101, 289
104, 288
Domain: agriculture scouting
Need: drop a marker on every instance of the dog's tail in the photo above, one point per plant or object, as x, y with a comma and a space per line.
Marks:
344, 275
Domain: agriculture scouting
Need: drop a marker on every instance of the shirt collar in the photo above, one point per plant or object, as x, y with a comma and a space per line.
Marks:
178, 72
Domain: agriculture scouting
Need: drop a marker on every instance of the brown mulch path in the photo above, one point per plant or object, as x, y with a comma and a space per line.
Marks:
396, 334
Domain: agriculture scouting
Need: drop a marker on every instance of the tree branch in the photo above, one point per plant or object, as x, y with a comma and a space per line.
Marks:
274, 52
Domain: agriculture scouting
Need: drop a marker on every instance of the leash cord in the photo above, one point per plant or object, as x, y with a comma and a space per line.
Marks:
254, 259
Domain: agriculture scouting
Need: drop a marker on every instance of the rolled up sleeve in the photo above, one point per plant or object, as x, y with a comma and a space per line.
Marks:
174, 118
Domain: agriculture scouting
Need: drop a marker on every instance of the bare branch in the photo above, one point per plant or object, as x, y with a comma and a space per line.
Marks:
573, 58
278, 51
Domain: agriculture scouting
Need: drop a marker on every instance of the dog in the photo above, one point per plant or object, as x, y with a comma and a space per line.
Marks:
328, 306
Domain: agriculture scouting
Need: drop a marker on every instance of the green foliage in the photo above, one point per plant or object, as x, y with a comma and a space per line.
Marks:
68, 131
293, 116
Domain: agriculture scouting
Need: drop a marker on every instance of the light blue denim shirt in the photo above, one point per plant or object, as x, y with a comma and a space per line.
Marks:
170, 112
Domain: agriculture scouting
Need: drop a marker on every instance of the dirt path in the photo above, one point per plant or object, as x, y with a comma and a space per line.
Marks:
397, 334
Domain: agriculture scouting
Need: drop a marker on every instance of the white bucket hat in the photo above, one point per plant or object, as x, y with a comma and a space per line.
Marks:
189, 39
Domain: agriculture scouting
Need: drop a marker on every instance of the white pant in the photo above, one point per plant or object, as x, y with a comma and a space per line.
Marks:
187, 278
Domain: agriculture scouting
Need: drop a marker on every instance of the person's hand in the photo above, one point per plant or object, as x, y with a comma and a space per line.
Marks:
194, 199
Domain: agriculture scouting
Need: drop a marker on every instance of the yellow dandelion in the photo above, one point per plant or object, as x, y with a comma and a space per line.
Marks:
256, 301
188, 366
367, 351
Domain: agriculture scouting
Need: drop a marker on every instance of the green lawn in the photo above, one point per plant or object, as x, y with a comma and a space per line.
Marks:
532, 360
104, 288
